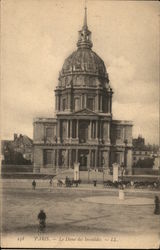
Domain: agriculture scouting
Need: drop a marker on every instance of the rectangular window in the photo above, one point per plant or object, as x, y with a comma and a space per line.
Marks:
64, 129
47, 157
64, 104
76, 104
90, 103
118, 133
49, 133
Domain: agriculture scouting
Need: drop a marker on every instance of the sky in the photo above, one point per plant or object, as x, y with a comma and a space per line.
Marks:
37, 36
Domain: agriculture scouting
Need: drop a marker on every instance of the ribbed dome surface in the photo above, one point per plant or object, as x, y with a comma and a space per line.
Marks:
84, 61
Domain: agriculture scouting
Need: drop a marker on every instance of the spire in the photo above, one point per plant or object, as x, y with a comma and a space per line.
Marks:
84, 34
85, 18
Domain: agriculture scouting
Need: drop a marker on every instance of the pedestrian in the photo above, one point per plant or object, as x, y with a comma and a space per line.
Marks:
33, 184
42, 220
157, 205
95, 183
50, 183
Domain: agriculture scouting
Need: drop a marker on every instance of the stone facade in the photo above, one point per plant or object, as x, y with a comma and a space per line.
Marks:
83, 129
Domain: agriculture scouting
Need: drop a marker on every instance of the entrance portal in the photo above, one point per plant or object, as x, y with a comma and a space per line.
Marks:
83, 159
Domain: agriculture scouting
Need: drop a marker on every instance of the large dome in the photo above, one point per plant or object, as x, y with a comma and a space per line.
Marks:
83, 66
84, 61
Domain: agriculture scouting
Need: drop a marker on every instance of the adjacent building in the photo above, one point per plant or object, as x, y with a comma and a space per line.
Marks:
83, 129
17, 151
140, 150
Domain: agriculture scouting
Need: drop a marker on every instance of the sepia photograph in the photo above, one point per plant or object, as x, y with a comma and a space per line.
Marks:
80, 124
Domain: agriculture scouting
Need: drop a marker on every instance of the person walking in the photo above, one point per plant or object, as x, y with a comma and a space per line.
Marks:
42, 220
50, 184
33, 184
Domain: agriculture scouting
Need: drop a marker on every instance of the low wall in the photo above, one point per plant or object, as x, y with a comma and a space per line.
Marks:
16, 168
144, 171
25, 176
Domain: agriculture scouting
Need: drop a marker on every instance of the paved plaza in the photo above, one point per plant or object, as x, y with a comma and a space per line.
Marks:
85, 209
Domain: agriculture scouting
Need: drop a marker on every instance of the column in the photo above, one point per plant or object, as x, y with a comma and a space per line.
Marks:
53, 164
57, 159
122, 157
58, 131
89, 159
96, 129
76, 155
100, 103
77, 127
90, 130
70, 157
123, 133
67, 158
67, 136
69, 101
70, 128
85, 101
100, 157
66, 97
108, 131
101, 130
82, 101
96, 158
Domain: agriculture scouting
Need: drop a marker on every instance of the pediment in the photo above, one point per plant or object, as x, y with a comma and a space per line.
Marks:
84, 112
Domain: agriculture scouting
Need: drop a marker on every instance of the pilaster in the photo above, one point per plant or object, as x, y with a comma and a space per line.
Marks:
100, 108
77, 128
57, 159
96, 158
58, 131
70, 157
76, 155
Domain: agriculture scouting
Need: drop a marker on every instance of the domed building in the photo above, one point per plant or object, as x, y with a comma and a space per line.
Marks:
83, 130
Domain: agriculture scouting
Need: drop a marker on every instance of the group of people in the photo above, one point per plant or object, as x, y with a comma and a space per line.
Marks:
34, 184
